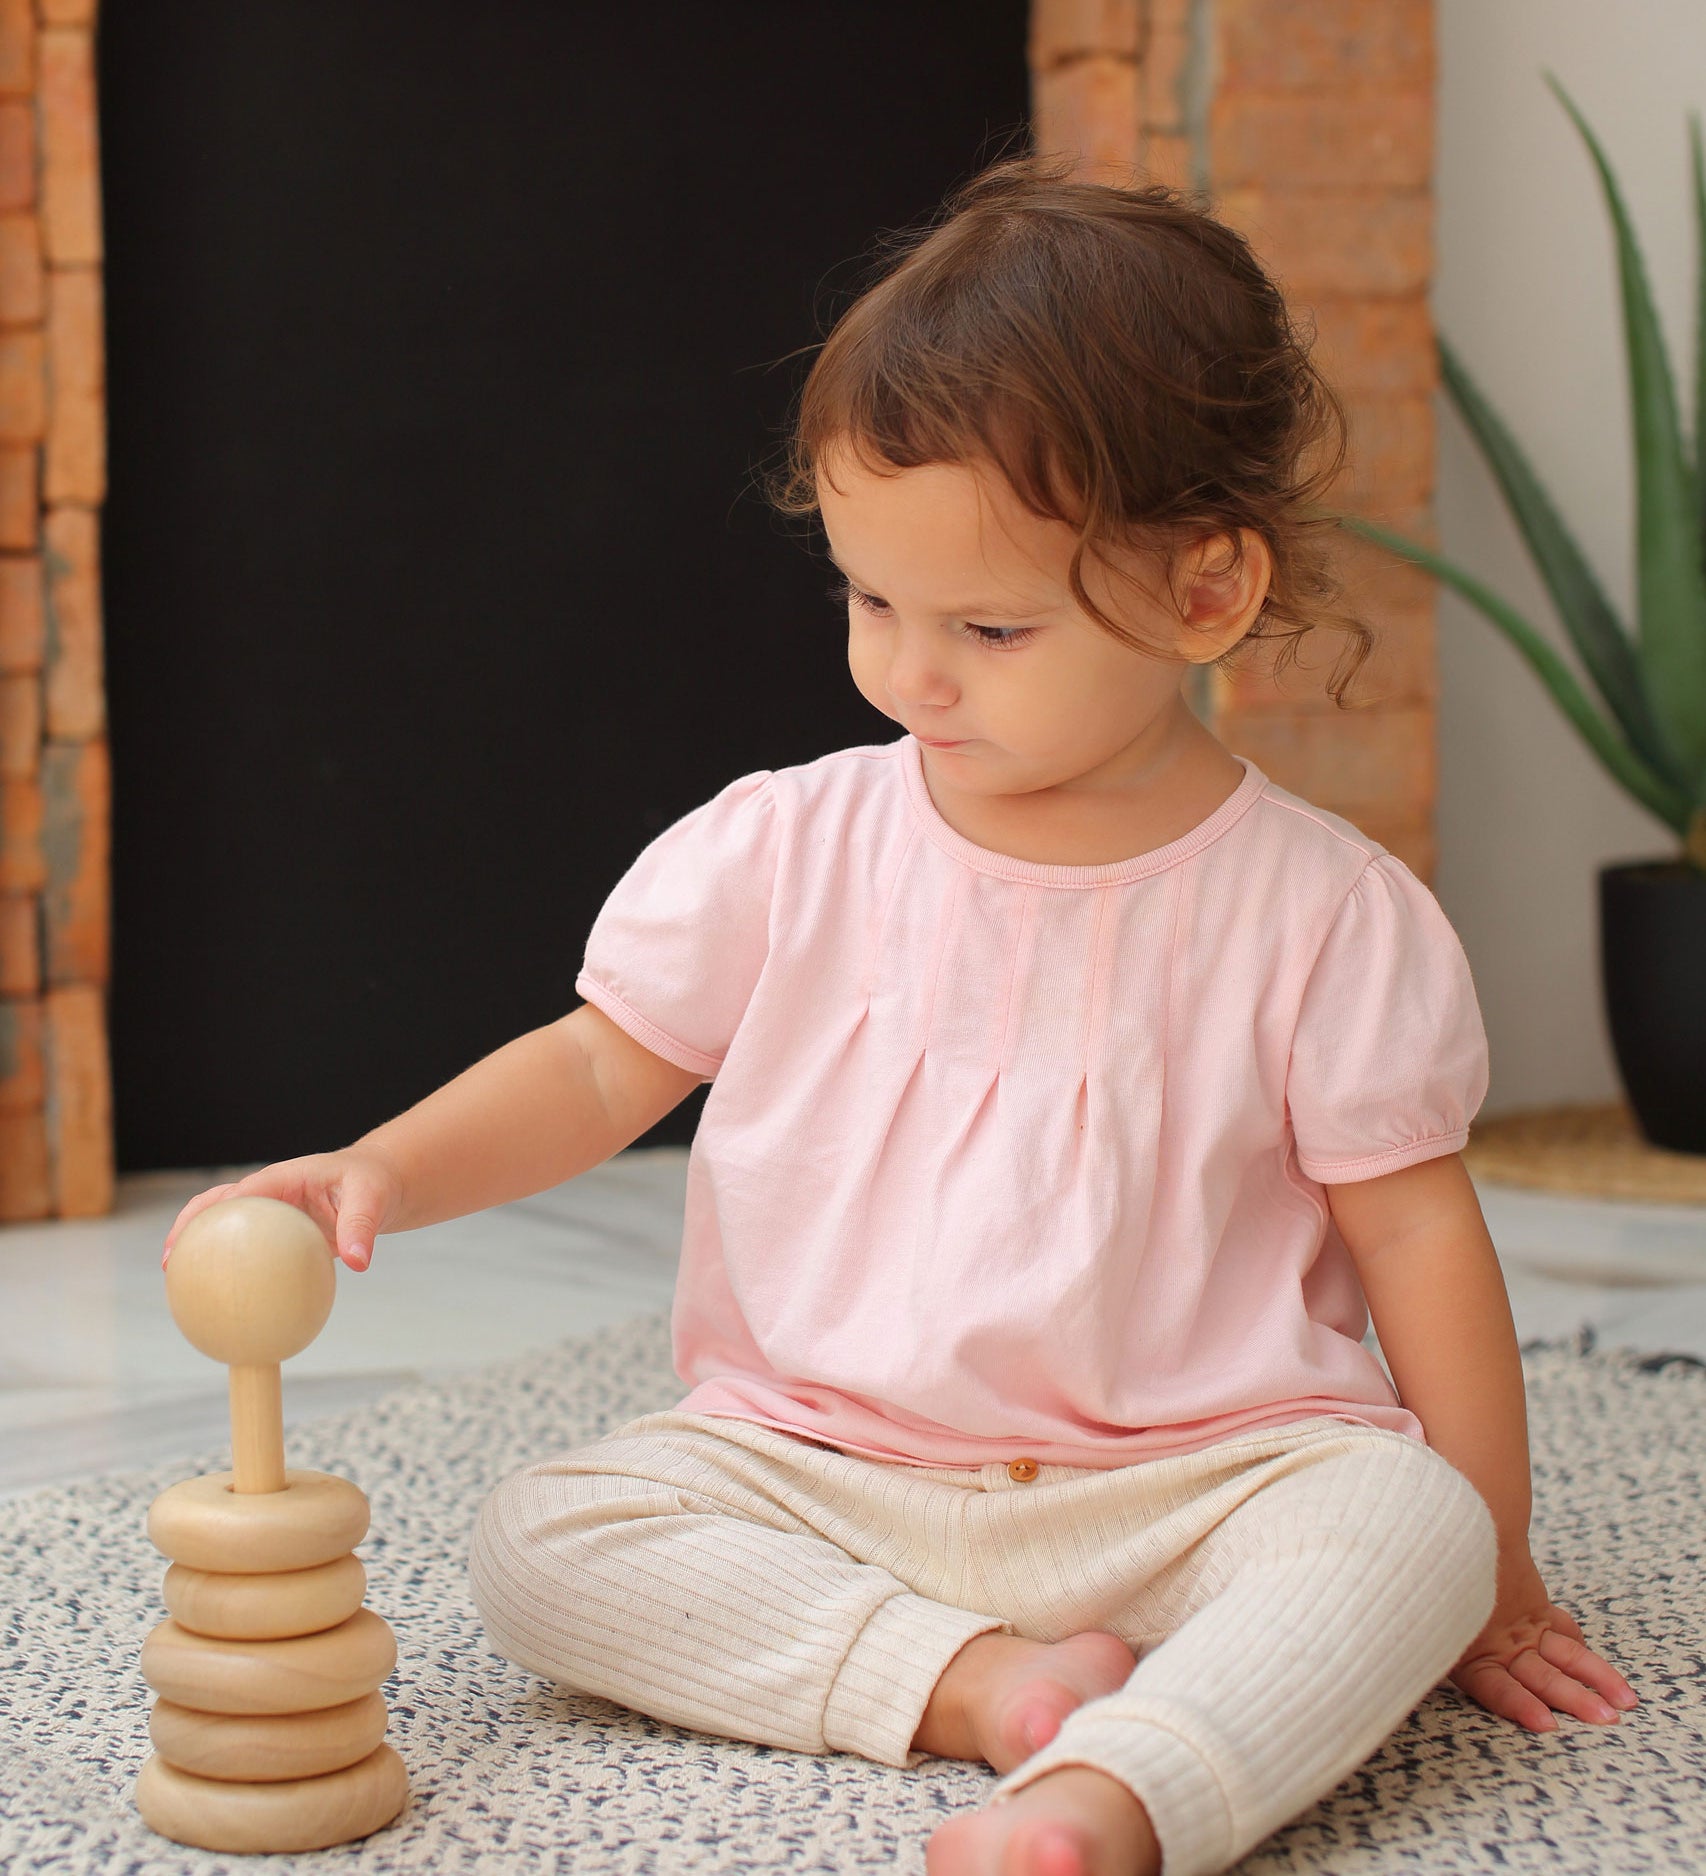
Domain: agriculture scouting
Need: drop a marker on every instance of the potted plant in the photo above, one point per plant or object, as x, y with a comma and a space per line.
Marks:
1649, 728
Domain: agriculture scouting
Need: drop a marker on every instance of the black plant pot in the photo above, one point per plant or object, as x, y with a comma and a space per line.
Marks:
1652, 932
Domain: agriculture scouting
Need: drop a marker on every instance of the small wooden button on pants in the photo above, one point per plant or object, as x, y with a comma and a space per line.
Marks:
1313, 1582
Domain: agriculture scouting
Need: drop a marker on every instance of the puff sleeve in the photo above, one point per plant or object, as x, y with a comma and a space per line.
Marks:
674, 955
1389, 1058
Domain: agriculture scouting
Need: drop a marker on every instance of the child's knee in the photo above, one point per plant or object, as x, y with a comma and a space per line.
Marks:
1393, 1515
523, 1542
547, 1526
1440, 1529
1468, 1539
501, 1556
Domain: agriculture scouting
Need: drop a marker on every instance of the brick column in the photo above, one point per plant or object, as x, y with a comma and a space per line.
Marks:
1309, 124
56, 1149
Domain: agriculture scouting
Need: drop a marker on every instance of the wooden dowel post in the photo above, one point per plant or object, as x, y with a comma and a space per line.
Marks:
257, 1427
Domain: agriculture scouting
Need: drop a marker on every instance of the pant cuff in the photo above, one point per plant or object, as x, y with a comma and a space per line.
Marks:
889, 1673
1170, 1778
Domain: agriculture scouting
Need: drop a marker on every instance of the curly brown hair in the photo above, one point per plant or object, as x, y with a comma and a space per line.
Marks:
1120, 356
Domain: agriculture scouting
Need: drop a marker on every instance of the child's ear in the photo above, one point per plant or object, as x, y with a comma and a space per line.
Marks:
1221, 581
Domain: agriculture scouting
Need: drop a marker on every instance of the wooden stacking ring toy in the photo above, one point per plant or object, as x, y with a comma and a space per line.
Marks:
269, 1728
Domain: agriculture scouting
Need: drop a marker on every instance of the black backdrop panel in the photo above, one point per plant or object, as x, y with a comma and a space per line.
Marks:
443, 344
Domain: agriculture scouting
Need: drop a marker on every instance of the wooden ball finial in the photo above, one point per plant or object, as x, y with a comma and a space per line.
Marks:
250, 1280
250, 1283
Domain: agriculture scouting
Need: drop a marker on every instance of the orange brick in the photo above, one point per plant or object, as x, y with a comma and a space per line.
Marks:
1383, 347
78, 1111
20, 724
1338, 243
76, 461
1328, 45
17, 156
1392, 452
22, 300
23, 867
23, 1084
1163, 75
17, 47
23, 387
1397, 674
23, 615
1397, 601
66, 12
74, 677
70, 163
1353, 762
1375, 577
1090, 108
1414, 844
25, 1185
1066, 29
1393, 600
1169, 161
76, 786
20, 944
1384, 140
20, 520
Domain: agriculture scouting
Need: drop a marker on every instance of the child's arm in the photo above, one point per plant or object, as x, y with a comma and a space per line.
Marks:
548, 1106
541, 1109
1437, 1297
1438, 1300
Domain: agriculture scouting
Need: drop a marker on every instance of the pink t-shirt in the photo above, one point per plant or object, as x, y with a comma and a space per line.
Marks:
1004, 1158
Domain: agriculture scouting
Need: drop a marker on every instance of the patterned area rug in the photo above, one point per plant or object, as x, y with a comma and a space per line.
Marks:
510, 1775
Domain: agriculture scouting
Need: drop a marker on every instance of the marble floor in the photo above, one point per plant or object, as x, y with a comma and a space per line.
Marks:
94, 1376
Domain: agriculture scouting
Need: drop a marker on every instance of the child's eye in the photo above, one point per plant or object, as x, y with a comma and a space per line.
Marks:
996, 637
849, 595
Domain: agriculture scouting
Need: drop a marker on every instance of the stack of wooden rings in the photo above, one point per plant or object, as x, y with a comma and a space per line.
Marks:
269, 1729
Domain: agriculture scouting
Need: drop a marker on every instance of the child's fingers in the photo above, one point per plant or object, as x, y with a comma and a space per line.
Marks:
199, 1203
1574, 1658
363, 1203
350, 1196
1492, 1684
1528, 1688
1560, 1691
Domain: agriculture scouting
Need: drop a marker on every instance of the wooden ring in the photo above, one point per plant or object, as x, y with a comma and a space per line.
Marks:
292, 1814
204, 1523
297, 1675
266, 1746
268, 1605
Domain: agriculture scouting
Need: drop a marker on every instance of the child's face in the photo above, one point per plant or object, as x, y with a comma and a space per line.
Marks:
963, 629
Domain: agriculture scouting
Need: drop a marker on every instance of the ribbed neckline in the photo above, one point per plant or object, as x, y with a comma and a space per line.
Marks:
1040, 873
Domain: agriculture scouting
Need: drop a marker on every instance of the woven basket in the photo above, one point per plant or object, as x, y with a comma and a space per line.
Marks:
1593, 1151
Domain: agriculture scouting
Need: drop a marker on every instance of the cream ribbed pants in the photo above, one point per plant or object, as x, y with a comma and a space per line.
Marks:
1291, 1595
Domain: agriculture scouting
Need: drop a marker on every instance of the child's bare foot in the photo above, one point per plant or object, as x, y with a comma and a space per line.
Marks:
1074, 1821
1002, 1697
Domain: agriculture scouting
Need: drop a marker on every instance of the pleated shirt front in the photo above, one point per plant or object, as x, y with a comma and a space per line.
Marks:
1007, 1158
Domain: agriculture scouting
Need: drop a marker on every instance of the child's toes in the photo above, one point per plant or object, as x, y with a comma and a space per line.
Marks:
1040, 1722
1026, 1721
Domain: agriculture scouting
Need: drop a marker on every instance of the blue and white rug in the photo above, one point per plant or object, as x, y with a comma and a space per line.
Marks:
509, 1775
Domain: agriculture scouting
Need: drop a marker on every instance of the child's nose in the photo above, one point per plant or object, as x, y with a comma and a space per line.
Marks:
916, 673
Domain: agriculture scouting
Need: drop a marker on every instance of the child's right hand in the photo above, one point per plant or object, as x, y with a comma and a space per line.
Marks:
352, 1196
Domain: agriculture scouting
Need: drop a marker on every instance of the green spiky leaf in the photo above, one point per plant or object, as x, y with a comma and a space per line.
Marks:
1671, 804
1599, 636
1699, 168
1670, 580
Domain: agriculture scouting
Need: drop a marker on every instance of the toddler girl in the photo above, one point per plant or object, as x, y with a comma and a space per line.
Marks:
1077, 1092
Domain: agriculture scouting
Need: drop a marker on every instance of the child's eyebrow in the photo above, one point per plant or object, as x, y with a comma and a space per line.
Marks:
968, 612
